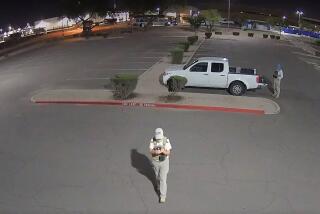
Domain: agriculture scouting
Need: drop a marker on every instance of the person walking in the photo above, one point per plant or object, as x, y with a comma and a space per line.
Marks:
277, 77
160, 149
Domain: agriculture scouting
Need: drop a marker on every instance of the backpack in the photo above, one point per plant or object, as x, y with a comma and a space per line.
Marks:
275, 74
165, 140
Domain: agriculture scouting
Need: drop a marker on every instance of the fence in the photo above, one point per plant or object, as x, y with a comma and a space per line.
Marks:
296, 31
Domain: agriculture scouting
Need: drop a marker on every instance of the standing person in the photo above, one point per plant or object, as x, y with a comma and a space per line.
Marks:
160, 148
277, 77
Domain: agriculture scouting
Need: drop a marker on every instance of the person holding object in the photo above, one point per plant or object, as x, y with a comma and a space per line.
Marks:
160, 149
277, 77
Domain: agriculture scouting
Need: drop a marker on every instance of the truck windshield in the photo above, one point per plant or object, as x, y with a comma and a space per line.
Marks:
189, 64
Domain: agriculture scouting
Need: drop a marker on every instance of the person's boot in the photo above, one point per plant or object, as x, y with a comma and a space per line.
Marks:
162, 199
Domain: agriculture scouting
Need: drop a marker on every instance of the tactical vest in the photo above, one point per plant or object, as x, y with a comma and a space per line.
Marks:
160, 157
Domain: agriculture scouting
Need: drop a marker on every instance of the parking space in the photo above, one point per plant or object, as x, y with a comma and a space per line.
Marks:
248, 53
90, 63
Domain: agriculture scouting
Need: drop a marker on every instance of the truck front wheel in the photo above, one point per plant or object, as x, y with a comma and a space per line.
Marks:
237, 88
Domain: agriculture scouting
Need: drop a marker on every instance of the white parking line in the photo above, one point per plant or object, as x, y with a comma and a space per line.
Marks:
308, 55
315, 64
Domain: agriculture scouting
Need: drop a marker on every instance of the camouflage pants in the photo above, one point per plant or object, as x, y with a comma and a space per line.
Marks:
161, 170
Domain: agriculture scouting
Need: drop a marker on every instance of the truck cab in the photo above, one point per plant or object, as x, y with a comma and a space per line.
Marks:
207, 73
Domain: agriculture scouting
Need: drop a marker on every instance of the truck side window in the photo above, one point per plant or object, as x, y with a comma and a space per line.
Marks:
200, 67
217, 67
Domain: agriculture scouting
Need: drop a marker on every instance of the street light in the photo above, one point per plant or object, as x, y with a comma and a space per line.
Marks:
283, 20
299, 13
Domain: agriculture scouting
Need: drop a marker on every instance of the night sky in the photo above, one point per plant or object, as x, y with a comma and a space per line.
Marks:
17, 12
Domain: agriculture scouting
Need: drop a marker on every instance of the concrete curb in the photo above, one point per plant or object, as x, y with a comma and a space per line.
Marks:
153, 105
198, 102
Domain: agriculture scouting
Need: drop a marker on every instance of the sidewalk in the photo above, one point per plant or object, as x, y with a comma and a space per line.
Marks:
151, 94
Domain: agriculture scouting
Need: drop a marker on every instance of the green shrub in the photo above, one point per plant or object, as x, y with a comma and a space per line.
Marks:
184, 46
236, 33
250, 34
265, 36
277, 37
318, 42
272, 36
177, 55
192, 39
123, 85
176, 83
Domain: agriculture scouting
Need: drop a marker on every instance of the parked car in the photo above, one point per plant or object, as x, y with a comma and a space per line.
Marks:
226, 22
160, 22
40, 31
214, 72
172, 22
141, 22
15, 36
110, 21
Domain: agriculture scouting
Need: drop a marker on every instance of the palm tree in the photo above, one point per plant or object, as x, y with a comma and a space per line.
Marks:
84, 10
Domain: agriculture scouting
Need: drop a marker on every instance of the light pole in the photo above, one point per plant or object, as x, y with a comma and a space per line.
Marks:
114, 5
283, 20
299, 13
229, 13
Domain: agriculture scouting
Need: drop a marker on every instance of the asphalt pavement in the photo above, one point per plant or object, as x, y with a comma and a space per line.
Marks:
94, 159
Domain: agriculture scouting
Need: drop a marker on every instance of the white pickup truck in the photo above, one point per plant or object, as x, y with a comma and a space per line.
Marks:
214, 72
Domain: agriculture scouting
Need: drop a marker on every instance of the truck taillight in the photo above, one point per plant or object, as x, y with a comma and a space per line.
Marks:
258, 79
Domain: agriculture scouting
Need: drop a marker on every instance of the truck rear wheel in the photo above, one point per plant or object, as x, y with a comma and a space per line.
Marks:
237, 88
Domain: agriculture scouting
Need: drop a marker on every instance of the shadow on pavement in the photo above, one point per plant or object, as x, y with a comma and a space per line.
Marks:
144, 166
270, 84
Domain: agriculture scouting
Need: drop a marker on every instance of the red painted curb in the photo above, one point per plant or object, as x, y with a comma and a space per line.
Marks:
156, 105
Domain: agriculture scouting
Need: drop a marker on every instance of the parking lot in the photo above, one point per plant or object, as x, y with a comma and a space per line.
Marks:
94, 159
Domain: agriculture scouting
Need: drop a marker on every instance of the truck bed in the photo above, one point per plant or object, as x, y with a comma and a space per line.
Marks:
244, 71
